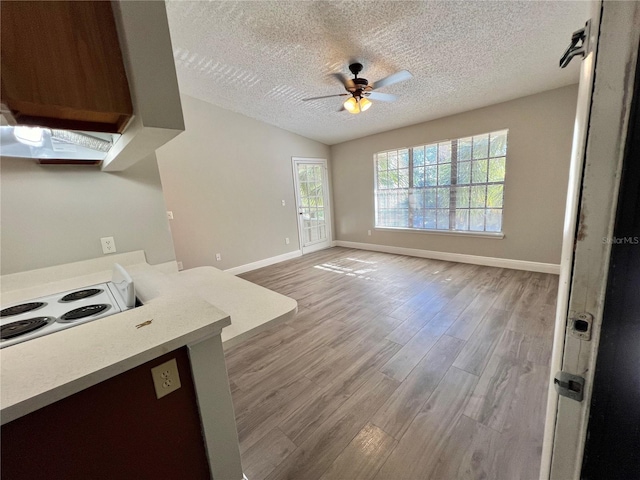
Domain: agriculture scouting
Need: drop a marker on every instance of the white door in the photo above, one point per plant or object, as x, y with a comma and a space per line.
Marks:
604, 98
312, 197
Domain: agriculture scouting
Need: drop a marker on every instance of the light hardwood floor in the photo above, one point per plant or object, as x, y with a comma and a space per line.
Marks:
396, 368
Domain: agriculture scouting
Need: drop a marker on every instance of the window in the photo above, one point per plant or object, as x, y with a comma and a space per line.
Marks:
453, 185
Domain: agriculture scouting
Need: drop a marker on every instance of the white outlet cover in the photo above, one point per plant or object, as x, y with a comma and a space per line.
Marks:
108, 245
218, 257
169, 214
284, 204
166, 378
180, 266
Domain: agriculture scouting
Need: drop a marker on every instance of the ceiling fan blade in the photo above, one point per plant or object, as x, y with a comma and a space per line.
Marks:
382, 97
346, 81
325, 96
400, 76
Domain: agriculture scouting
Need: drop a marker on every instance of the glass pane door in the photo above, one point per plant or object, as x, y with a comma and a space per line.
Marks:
313, 206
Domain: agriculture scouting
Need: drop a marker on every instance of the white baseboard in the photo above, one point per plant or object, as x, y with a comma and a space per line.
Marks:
263, 263
457, 257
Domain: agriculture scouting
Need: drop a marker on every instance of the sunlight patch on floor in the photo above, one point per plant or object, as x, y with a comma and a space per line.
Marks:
349, 272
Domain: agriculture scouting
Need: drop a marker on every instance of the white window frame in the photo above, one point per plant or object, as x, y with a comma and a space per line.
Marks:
452, 208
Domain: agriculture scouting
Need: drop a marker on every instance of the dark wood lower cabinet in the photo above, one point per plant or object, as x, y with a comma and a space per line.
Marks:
114, 430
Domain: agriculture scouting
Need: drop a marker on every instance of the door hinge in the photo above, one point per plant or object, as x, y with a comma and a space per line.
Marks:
569, 385
580, 325
579, 36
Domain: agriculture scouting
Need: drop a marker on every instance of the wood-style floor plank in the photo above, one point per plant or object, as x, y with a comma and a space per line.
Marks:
491, 399
469, 453
364, 381
520, 443
476, 353
410, 354
417, 452
266, 454
351, 358
251, 432
363, 457
306, 419
316, 454
397, 413
252, 410
466, 323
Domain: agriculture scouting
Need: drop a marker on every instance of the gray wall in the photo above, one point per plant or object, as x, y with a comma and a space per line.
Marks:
225, 178
539, 148
53, 215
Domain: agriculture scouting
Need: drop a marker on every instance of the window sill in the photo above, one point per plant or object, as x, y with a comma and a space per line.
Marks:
494, 235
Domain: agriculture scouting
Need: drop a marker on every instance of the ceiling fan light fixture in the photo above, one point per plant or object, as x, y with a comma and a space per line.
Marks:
351, 105
358, 89
357, 105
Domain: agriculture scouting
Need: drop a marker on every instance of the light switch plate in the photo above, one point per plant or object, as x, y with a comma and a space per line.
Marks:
166, 378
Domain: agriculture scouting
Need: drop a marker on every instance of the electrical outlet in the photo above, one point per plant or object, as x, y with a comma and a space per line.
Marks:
180, 266
166, 378
108, 245
284, 204
369, 232
170, 215
286, 240
218, 257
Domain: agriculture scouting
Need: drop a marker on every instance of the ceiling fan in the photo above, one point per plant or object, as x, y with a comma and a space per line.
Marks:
360, 91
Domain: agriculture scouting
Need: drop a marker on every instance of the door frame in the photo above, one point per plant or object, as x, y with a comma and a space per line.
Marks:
592, 203
326, 191
613, 439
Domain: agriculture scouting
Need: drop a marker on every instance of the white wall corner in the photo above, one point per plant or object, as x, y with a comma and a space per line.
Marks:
457, 257
263, 263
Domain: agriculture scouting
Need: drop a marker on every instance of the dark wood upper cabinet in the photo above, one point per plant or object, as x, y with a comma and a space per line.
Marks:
62, 65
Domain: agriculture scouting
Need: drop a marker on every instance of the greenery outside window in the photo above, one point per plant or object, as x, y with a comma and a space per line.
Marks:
455, 185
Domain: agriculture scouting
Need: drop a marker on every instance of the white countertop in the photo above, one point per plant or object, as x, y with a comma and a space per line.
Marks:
44, 370
184, 308
252, 308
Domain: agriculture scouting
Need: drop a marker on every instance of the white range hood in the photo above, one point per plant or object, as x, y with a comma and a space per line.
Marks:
47, 143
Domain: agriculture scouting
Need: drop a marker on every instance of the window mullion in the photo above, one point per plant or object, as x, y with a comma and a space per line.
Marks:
410, 192
454, 182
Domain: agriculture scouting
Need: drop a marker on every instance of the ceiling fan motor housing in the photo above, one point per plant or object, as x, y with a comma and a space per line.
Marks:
355, 68
360, 86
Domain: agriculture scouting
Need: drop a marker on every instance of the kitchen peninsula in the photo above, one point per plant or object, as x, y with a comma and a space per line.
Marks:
47, 372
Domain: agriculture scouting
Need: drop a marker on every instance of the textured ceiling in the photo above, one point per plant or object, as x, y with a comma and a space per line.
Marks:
260, 58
